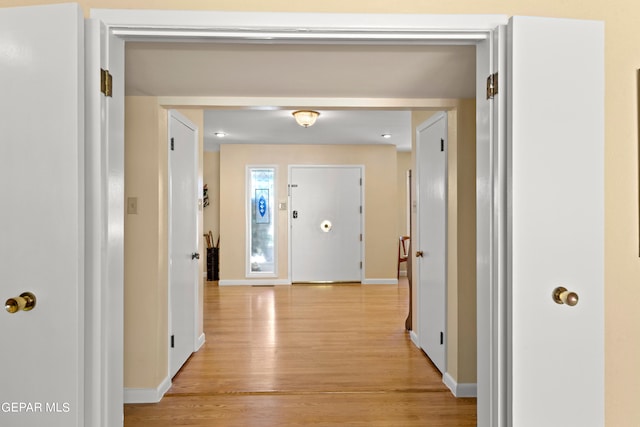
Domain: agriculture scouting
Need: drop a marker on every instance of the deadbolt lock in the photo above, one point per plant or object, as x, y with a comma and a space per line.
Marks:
25, 302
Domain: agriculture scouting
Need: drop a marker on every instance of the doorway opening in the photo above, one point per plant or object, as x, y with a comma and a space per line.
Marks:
469, 38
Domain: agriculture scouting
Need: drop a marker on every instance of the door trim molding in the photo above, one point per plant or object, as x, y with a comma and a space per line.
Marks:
155, 25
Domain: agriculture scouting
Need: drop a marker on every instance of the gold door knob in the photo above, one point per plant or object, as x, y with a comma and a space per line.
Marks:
419, 254
25, 302
562, 296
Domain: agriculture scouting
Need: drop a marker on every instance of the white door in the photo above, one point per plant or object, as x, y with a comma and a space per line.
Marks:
555, 155
326, 222
42, 215
183, 239
431, 247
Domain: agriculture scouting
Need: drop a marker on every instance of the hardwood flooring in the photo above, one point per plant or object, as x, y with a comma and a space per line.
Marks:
306, 355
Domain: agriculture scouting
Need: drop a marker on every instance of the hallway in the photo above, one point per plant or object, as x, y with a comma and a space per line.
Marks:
303, 355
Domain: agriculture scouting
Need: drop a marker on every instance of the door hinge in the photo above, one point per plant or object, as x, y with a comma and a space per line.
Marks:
360, 181
441, 338
360, 265
492, 85
173, 341
172, 144
360, 208
441, 144
361, 237
106, 83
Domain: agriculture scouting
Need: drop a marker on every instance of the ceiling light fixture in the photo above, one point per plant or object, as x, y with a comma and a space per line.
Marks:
386, 135
220, 134
305, 118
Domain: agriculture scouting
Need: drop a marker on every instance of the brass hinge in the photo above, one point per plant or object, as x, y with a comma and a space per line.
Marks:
492, 85
361, 237
360, 265
106, 83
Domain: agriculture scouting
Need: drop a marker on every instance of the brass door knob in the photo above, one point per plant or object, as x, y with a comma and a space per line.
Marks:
25, 302
562, 296
419, 254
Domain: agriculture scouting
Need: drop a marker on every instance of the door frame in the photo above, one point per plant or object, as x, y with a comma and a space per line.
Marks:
441, 115
362, 214
188, 123
478, 30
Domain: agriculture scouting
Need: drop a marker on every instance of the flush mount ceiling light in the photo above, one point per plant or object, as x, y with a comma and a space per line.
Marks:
386, 135
220, 134
305, 118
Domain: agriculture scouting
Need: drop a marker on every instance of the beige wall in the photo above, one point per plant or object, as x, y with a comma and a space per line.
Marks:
622, 264
211, 177
404, 165
379, 194
146, 241
145, 246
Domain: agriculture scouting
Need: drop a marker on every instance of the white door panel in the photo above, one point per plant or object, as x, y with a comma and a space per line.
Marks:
42, 215
555, 155
183, 235
432, 238
325, 224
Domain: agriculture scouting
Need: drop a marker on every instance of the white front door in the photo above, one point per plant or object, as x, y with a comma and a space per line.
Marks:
42, 215
183, 239
326, 212
555, 162
431, 246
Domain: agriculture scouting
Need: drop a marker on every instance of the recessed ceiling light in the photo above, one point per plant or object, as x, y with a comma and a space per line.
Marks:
220, 134
386, 135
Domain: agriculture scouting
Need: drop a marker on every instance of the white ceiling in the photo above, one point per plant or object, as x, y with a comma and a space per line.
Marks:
302, 71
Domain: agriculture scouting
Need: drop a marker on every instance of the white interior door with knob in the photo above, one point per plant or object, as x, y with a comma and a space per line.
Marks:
326, 223
431, 155
183, 239
555, 229
42, 215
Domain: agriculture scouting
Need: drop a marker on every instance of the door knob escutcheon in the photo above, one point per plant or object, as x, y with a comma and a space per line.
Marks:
562, 296
25, 302
195, 255
419, 254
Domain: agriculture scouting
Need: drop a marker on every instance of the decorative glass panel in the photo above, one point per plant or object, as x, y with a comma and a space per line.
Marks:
262, 254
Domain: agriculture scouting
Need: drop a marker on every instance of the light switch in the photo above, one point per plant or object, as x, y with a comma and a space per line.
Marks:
132, 205
282, 206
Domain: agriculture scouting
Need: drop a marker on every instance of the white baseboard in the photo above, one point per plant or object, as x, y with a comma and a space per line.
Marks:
147, 395
200, 342
254, 282
414, 338
460, 390
379, 281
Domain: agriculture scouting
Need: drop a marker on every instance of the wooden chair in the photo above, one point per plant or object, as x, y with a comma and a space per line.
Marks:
403, 251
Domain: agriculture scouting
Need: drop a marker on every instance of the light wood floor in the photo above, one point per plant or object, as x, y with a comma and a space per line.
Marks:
306, 355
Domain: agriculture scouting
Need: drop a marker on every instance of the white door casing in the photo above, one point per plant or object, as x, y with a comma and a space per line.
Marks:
326, 223
555, 166
183, 239
431, 224
42, 215
104, 268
